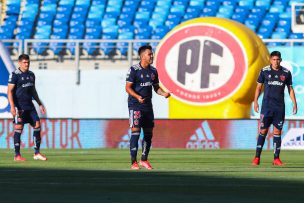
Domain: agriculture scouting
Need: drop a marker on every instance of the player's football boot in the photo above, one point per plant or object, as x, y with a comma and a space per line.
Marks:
39, 156
256, 161
277, 162
19, 158
135, 166
145, 164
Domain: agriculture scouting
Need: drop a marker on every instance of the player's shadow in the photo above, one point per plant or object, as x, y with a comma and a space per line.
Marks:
47, 185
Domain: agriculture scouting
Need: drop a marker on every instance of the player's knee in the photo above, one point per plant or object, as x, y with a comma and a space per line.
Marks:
277, 131
37, 125
133, 130
18, 128
263, 132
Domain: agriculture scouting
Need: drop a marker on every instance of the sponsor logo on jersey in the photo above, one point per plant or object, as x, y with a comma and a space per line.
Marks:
203, 138
29, 84
146, 84
275, 83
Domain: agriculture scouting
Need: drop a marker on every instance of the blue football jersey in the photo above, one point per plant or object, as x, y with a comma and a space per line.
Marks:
142, 80
23, 92
274, 85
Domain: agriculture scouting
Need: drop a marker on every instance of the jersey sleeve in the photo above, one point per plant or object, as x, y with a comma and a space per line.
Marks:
289, 79
130, 75
12, 79
156, 80
261, 77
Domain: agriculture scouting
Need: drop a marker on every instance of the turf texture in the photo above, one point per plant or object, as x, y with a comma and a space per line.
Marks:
104, 175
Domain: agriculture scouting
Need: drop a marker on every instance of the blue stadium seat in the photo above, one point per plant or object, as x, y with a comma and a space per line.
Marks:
145, 15
122, 47
264, 32
171, 23
225, 11
264, 3
190, 15
90, 47
280, 2
208, 11
141, 22
197, 3
193, 9
75, 23
230, 2
70, 46
125, 22
252, 23
181, 2
162, 3
108, 48
92, 23
213, 3
277, 35
40, 47
247, 3
180, 9
240, 17
57, 47
276, 9
241, 9
106, 22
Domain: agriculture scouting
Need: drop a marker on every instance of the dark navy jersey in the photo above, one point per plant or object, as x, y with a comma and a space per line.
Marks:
23, 91
143, 80
274, 85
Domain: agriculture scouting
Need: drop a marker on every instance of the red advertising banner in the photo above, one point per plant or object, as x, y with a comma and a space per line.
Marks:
196, 134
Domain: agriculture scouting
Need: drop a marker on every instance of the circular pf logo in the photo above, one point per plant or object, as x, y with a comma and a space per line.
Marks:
201, 63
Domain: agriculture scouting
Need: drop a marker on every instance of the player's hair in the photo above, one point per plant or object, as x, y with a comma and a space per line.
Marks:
23, 57
144, 48
275, 53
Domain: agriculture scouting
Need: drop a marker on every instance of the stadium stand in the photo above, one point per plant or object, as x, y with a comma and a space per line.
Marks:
131, 19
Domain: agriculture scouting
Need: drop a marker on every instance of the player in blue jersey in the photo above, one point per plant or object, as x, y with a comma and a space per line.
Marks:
21, 91
274, 78
141, 78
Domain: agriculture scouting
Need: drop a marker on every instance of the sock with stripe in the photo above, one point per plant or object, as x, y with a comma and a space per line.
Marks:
37, 140
277, 145
134, 145
260, 144
146, 145
17, 141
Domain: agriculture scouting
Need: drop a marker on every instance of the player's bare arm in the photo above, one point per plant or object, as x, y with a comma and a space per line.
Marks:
160, 91
256, 96
131, 92
10, 89
293, 99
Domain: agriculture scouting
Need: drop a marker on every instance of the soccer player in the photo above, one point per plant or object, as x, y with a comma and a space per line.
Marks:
21, 90
141, 78
274, 78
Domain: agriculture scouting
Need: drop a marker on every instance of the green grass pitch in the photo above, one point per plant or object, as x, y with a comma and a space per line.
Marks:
179, 176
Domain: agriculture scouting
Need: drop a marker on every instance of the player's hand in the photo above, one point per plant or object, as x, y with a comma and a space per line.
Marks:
42, 109
13, 111
294, 109
167, 94
256, 107
141, 100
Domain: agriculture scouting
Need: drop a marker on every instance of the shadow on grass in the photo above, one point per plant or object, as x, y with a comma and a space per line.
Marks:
46, 185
